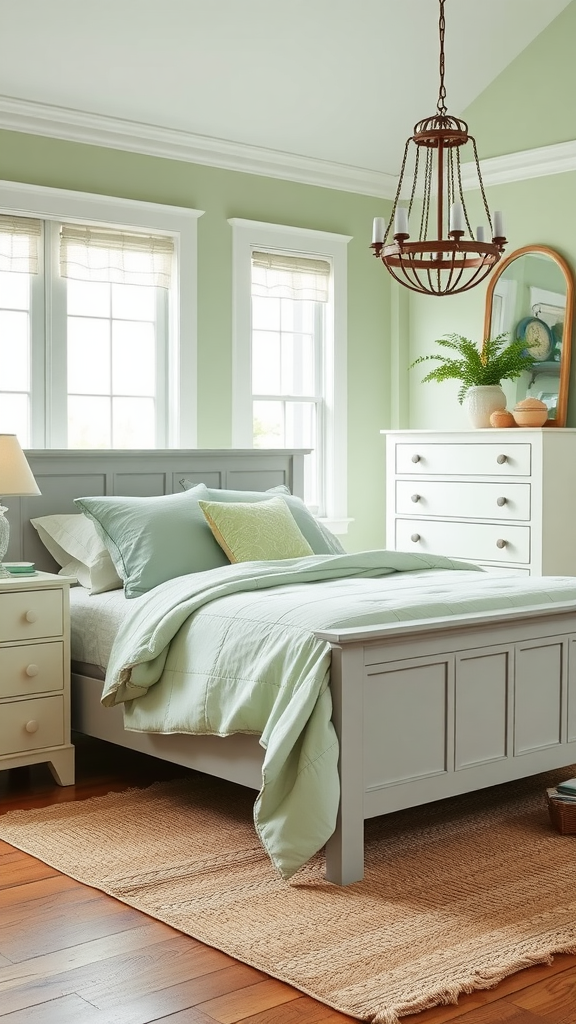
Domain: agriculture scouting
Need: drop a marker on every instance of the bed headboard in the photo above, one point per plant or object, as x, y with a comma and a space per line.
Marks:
65, 475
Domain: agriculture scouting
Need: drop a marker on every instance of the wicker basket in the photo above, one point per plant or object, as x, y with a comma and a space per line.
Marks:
562, 816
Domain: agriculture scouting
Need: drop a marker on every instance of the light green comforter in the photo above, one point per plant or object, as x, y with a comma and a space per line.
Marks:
233, 650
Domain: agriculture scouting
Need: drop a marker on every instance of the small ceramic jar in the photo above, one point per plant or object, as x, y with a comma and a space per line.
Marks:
530, 413
502, 418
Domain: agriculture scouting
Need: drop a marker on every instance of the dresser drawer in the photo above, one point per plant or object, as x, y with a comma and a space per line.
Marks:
31, 668
490, 459
472, 541
31, 724
463, 500
30, 614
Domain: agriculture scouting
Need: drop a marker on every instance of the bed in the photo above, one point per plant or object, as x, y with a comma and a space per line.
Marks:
422, 709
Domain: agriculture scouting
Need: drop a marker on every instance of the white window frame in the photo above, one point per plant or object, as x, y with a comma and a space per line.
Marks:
248, 235
54, 204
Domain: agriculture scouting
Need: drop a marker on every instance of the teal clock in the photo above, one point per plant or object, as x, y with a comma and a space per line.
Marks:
538, 337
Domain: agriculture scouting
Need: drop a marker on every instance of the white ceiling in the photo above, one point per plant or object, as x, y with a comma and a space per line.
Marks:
342, 81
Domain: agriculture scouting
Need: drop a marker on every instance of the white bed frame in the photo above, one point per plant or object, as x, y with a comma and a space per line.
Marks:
422, 710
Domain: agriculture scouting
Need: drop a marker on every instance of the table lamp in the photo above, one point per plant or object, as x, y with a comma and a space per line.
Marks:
15, 479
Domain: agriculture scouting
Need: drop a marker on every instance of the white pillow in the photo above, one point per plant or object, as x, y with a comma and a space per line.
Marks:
73, 542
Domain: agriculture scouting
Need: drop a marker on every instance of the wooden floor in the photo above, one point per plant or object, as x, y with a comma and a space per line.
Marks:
71, 955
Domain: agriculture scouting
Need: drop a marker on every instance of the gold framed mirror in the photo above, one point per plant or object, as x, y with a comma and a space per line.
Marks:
531, 295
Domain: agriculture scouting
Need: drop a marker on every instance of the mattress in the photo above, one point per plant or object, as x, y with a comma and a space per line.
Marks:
95, 619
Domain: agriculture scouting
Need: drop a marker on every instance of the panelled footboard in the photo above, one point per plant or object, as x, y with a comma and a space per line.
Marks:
430, 710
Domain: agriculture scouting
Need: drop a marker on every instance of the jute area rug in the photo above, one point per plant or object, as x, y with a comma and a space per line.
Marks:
456, 896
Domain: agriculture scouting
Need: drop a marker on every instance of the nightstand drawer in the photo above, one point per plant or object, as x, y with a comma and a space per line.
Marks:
468, 541
31, 668
31, 724
495, 459
31, 614
462, 500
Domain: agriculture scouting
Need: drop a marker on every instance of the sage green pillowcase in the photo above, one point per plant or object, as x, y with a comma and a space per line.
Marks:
154, 539
319, 537
255, 531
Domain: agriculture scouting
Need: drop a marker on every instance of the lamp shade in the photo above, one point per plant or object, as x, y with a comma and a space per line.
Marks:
15, 474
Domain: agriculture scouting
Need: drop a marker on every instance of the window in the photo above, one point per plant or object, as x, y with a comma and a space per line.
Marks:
290, 352
91, 319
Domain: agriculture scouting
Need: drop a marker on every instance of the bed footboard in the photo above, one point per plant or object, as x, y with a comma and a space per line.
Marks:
431, 710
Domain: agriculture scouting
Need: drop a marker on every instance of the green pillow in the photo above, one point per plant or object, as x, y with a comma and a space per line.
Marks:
154, 539
255, 531
319, 537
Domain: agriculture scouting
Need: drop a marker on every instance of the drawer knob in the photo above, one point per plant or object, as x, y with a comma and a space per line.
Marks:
31, 726
501, 459
415, 497
30, 616
501, 501
415, 458
31, 671
501, 543
415, 537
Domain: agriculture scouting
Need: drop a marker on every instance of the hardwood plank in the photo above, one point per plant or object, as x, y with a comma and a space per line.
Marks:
61, 931
553, 999
302, 1010
16, 895
62, 973
179, 998
205, 971
67, 1010
499, 1012
26, 869
4, 961
237, 1005
51, 906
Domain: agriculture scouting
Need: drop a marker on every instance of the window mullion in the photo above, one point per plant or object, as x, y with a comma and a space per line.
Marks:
56, 343
38, 377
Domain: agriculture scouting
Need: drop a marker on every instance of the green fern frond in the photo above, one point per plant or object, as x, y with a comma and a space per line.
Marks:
496, 360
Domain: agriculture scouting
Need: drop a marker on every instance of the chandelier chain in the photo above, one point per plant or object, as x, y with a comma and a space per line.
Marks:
441, 106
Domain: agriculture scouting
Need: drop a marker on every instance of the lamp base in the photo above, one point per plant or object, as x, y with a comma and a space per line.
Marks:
4, 538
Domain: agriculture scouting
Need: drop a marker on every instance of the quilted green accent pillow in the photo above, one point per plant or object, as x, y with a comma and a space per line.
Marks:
319, 537
154, 539
255, 531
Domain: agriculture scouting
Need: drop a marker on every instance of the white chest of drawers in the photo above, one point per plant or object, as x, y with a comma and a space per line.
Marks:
502, 498
35, 674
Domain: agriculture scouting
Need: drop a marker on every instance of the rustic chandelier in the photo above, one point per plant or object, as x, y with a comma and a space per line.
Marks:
443, 261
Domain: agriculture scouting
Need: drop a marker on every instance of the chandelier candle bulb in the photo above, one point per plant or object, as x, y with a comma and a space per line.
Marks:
498, 224
456, 218
401, 221
480, 234
378, 230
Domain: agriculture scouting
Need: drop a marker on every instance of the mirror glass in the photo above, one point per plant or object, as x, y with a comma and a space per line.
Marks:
530, 295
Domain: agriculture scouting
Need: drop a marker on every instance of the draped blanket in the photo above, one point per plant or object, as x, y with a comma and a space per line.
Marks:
234, 649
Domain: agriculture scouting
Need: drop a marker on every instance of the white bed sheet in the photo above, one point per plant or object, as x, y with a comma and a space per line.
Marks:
95, 620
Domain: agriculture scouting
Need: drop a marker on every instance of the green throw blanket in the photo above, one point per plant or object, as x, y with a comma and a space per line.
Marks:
234, 650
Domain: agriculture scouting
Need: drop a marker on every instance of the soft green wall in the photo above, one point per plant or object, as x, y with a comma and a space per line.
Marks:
529, 105
223, 194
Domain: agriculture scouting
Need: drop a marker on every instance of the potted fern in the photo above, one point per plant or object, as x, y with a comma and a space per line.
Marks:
479, 370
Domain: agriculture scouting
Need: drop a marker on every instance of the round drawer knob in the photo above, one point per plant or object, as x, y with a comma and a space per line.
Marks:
501, 459
31, 726
501, 543
415, 537
415, 458
415, 497
31, 671
30, 616
501, 501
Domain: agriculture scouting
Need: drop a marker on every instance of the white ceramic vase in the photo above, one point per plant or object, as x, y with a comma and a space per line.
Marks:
482, 401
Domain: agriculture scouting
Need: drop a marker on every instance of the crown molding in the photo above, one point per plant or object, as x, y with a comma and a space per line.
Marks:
528, 163
173, 144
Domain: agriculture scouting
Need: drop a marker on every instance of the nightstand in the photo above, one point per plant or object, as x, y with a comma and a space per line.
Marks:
35, 674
